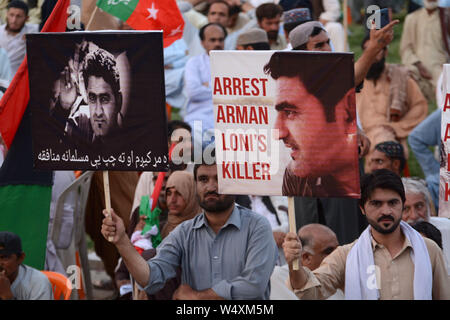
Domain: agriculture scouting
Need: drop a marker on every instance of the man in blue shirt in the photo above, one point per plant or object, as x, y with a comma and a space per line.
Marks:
226, 252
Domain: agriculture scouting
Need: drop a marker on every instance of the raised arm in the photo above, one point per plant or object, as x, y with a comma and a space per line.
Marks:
378, 40
137, 266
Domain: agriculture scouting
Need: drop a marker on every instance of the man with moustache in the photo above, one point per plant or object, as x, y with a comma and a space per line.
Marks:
226, 252
197, 78
390, 260
269, 18
390, 105
422, 47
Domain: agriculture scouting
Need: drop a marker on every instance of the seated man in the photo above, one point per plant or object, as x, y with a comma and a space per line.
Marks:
419, 207
387, 155
292, 19
422, 46
390, 103
318, 241
17, 280
269, 18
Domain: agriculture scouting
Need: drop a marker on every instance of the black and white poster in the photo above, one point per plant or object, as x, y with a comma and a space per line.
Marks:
97, 101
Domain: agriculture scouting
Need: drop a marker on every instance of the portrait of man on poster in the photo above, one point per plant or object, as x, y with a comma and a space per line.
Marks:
316, 120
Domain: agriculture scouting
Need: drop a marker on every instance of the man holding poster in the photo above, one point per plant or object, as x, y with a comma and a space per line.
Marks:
316, 119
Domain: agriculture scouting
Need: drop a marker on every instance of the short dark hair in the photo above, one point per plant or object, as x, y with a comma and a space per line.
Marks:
177, 124
201, 33
429, 231
381, 179
317, 80
258, 46
101, 63
218, 1
18, 5
268, 10
393, 150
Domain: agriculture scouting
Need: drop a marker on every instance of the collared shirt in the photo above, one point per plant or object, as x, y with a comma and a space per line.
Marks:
396, 273
16, 45
31, 284
200, 104
236, 262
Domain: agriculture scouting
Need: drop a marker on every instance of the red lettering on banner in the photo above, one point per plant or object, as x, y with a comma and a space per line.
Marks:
227, 86
217, 86
262, 143
447, 102
246, 171
237, 86
448, 163
230, 114
244, 142
225, 171
447, 191
220, 114
447, 129
255, 91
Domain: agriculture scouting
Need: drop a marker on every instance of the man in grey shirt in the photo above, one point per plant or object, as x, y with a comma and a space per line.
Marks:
226, 252
19, 281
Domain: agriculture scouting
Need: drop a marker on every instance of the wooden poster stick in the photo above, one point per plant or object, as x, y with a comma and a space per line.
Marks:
91, 18
345, 23
292, 225
107, 197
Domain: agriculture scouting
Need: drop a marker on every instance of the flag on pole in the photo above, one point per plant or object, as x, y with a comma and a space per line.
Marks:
25, 194
148, 15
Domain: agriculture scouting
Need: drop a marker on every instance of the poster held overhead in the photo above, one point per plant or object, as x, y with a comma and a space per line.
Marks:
285, 123
97, 101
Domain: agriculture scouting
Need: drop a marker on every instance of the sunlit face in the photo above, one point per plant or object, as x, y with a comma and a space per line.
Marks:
218, 13
175, 201
415, 208
271, 26
15, 19
102, 106
320, 42
317, 147
214, 39
383, 210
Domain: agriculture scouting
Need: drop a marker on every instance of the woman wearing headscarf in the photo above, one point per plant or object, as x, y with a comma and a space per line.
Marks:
181, 200
183, 205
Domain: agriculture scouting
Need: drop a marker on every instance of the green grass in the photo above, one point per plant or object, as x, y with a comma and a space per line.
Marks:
356, 34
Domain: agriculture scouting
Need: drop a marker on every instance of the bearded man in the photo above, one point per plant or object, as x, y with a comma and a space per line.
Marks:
226, 252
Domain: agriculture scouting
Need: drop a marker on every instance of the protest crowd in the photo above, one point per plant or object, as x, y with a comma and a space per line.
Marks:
173, 235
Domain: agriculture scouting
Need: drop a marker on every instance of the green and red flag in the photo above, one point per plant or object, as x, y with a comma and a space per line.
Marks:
25, 194
148, 15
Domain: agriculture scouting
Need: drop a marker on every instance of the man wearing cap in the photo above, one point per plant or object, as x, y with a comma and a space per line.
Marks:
294, 18
253, 39
312, 36
387, 155
19, 281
